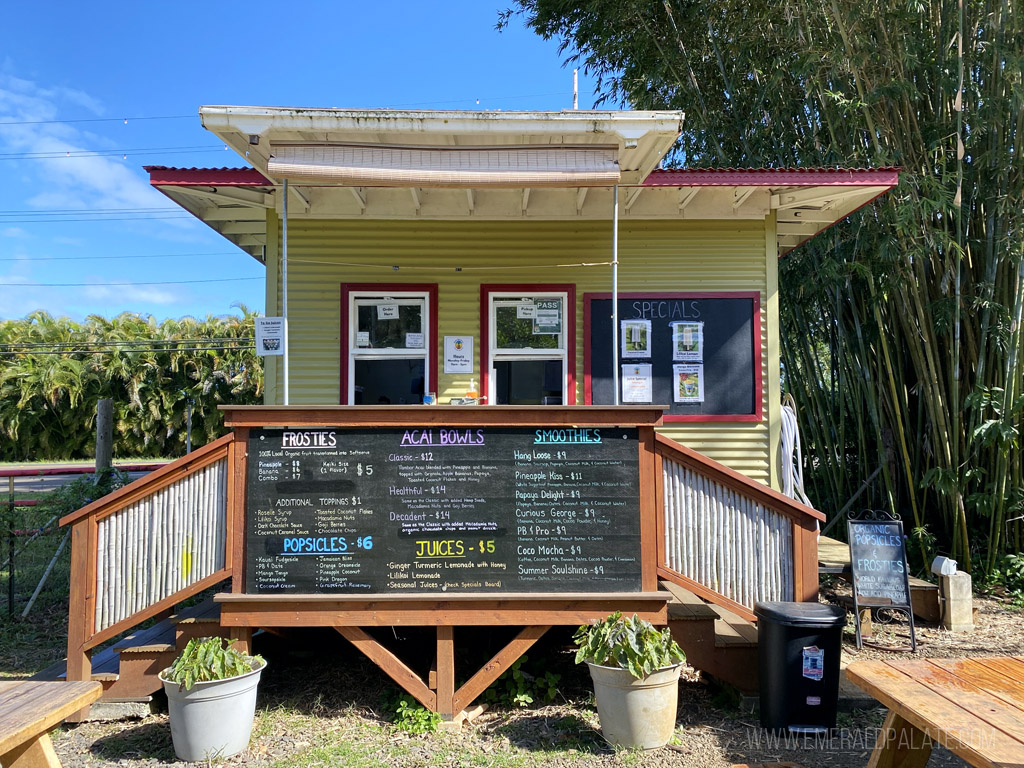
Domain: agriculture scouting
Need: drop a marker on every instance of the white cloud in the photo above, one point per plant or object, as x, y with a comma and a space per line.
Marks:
14, 232
78, 183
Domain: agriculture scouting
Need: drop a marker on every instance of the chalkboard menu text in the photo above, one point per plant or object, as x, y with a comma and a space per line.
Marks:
435, 510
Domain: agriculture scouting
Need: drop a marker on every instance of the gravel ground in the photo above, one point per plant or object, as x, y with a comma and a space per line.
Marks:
324, 708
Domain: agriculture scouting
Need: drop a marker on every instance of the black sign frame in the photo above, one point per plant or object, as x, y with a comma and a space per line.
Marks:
733, 359
293, 485
894, 530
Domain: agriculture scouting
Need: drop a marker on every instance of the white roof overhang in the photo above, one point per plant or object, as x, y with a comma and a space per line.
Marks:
332, 143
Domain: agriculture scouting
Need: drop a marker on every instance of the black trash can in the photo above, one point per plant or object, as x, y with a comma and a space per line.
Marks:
799, 645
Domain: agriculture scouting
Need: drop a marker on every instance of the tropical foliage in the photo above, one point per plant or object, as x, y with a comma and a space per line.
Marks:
53, 371
902, 327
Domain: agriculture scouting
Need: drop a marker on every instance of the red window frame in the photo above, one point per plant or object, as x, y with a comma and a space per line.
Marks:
385, 288
569, 289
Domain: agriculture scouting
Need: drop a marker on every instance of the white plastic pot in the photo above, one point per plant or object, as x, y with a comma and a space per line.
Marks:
636, 712
212, 719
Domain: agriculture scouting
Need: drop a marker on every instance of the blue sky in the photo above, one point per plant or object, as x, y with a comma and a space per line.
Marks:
75, 206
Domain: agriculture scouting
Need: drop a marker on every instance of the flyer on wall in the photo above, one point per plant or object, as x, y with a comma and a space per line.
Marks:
636, 383
636, 338
688, 341
688, 383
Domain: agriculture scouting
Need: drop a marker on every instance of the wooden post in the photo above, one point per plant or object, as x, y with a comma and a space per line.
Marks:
648, 511
79, 665
446, 672
104, 433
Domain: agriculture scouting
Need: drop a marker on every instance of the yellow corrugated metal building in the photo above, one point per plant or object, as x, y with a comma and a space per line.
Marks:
391, 219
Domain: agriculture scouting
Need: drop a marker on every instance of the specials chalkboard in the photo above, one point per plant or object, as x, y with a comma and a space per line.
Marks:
878, 561
435, 510
700, 351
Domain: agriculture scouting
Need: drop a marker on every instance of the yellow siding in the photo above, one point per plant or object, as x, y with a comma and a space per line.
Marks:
653, 256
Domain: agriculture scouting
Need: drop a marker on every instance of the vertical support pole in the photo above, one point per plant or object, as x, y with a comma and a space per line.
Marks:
615, 292
188, 426
446, 672
284, 286
104, 434
10, 546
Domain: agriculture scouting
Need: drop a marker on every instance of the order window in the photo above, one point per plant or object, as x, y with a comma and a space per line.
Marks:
388, 342
527, 339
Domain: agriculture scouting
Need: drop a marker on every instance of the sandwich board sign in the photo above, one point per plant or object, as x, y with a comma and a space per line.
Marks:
878, 560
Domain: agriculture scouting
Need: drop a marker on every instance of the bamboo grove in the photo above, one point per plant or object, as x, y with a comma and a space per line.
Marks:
902, 326
53, 371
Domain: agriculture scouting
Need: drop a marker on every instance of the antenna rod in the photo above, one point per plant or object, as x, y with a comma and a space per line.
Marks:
576, 88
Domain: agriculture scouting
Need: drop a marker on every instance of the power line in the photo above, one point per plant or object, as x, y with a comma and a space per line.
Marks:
226, 348
132, 256
106, 153
95, 120
102, 218
56, 211
65, 152
111, 285
123, 342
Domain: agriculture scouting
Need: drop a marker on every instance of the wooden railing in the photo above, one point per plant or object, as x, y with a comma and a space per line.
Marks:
728, 538
137, 552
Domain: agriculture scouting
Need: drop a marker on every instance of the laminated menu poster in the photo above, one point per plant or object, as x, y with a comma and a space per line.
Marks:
636, 338
439, 509
688, 383
688, 341
637, 383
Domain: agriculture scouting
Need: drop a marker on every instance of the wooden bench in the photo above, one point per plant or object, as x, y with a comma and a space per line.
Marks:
973, 707
29, 710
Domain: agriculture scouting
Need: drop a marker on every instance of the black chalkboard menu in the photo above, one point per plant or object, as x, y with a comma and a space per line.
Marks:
701, 352
878, 561
435, 510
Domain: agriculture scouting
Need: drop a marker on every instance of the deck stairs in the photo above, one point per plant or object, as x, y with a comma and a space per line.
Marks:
128, 669
716, 641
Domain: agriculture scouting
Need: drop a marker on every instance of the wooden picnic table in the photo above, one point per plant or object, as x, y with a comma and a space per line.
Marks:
972, 707
29, 709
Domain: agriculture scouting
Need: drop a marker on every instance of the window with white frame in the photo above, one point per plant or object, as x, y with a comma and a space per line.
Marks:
527, 355
389, 359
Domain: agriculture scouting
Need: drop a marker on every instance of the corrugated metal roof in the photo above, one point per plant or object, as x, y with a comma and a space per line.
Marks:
772, 177
166, 176
161, 175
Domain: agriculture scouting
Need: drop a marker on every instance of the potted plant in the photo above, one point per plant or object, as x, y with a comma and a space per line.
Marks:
635, 669
211, 696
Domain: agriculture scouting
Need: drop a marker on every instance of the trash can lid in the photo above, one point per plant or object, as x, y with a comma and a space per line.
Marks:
802, 614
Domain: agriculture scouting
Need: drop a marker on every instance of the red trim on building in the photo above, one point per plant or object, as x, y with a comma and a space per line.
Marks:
758, 414
384, 289
163, 176
774, 177
486, 289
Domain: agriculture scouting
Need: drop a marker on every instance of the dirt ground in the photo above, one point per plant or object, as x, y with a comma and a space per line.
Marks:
320, 704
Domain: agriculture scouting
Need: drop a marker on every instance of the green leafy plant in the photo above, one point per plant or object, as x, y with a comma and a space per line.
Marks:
413, 717
627, 643
523, 684
209, 658
83, 490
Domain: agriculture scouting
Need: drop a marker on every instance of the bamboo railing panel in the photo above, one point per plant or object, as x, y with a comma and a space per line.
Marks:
161, 544
731, 539
728, 543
